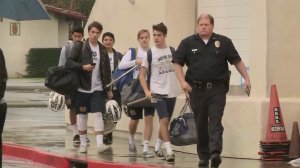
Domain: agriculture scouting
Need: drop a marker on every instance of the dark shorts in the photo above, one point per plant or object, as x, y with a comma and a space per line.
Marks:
117, 97
90, 102
137, 112
70, 102
165, 107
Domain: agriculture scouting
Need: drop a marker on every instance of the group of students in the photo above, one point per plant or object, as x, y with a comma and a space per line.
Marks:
206, 55
95, 63
206, 80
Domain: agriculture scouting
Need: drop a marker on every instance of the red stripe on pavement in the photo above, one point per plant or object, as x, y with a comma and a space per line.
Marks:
61, 161
35, 155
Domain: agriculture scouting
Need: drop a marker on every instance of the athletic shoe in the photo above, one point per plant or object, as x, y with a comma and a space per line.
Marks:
148, 154
76, 139
170, 158
102, 148
160, 155
132, 149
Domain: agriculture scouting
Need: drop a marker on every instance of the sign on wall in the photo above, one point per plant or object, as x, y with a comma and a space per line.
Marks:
15, 29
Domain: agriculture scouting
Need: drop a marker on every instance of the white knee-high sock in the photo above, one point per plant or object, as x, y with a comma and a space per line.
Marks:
98, 126
82, 126
82, 122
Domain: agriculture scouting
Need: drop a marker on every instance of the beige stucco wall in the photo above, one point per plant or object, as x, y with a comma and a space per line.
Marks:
63, 31
258, 48
125, 20
283, 46
33, 34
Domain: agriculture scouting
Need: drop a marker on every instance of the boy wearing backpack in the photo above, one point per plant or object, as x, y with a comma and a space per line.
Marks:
136, 114
90, 59
162, 82
76, 35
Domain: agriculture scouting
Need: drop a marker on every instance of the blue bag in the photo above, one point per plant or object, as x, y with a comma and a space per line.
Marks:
126, 79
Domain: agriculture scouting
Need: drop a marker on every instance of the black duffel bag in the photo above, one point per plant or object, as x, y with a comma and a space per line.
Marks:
132, 95
62, 80
183, 128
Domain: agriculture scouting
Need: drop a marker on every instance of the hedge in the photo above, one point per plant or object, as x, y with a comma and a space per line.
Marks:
40, 59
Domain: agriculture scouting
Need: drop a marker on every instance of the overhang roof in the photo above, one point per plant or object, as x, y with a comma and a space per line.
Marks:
65, 12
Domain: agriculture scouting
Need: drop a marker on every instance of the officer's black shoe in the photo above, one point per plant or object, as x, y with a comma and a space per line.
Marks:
203, 163
215, 160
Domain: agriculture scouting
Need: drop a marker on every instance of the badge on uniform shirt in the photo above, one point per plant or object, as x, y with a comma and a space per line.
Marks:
217, 44
194, 50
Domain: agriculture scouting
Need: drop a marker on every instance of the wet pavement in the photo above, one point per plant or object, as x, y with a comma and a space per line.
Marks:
38, 127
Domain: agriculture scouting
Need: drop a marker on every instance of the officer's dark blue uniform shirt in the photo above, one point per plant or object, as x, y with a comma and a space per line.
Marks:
206, 62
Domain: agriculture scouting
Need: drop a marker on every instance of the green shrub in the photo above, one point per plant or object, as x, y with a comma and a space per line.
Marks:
40, 59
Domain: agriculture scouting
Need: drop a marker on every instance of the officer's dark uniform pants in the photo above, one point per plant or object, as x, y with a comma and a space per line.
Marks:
3, 108
208, 107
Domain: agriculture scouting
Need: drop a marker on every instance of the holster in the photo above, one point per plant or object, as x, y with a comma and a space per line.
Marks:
227, 80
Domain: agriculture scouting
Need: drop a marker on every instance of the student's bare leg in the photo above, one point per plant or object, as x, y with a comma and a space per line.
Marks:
132, 130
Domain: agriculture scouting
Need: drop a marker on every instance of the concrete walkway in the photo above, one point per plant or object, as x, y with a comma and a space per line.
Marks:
30, 124
26, 93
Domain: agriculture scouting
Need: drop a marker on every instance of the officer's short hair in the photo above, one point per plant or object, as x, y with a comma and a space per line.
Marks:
143, 31
95, 24
109, 34
211, 19
161, 28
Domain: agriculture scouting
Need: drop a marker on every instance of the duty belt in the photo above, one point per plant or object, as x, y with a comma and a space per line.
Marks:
205, 85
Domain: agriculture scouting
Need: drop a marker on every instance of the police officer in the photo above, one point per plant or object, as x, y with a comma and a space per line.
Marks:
207, 81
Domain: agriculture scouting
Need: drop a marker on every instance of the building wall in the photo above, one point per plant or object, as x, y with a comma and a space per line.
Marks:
283, 46
33, 34
125, 19
258, 48
63, 31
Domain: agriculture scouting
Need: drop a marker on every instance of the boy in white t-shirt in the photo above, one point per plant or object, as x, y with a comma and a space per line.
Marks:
162, 82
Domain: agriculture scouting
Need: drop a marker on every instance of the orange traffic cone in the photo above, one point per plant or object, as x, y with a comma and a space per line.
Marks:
294, 151
275, 128
276, 145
